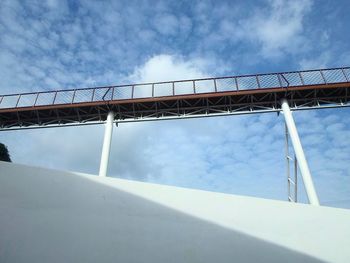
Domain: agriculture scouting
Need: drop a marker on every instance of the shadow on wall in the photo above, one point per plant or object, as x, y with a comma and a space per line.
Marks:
51, 216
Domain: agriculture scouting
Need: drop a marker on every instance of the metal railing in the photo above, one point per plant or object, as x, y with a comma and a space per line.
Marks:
173, 88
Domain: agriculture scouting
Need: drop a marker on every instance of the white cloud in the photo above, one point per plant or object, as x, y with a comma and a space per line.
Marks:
320, 61
168, 67
278, 27
166, 24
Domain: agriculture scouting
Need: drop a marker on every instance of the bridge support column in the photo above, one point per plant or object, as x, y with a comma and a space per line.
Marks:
299, 153
106, 148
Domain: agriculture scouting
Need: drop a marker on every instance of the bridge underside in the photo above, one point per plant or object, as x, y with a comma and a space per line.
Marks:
194, 105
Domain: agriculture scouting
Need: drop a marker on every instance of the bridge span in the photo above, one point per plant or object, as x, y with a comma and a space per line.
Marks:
177, 99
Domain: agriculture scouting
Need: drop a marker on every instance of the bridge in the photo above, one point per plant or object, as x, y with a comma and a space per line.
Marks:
259, 93
177, 99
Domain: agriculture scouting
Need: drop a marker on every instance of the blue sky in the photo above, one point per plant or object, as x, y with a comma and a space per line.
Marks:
59, 44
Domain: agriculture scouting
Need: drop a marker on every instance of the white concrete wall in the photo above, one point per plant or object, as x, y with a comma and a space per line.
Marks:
53, 216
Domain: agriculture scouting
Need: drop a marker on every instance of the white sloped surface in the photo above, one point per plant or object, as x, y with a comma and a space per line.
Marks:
55, 216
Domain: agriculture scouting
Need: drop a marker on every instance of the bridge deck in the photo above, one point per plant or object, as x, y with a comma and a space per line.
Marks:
177, 99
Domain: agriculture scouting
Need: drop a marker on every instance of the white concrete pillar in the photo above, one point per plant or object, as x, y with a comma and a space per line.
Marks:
299, 153
107, 141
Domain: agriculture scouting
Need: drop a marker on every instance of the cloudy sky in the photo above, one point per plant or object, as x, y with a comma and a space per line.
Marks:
59, 44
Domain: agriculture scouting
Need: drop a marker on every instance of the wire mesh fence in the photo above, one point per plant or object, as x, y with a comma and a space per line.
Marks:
173, 88
226, 84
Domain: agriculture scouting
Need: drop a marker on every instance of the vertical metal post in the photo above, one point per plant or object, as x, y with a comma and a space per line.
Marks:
301, 78
36, 99
287, 161
346, 77
74, 96
290, 182
106, 144
299, 152
279, 80
112, 98
236, 82
93, 95
257, 81
324, 79
295, 179
54, 98
18, 100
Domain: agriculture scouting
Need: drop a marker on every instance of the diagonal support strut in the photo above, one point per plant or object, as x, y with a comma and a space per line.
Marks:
300, 156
